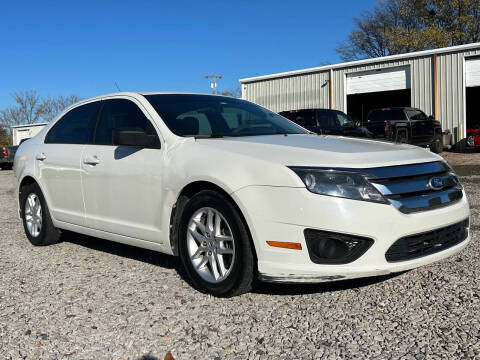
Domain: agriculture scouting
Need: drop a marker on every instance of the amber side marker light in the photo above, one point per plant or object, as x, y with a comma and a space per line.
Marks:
285, 245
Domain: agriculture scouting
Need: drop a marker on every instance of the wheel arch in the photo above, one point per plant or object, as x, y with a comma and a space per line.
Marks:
187, 192
26, 180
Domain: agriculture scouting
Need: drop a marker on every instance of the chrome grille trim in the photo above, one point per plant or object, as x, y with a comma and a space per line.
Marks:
408, 186
391, 172
416, 184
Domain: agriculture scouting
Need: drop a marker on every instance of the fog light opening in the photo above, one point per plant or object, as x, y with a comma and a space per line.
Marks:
325, 247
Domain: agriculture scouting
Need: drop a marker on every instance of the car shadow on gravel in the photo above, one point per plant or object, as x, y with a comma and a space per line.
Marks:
173, 262
303, 289
123, 250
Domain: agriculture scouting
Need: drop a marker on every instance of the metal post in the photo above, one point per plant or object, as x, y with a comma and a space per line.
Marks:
213, 83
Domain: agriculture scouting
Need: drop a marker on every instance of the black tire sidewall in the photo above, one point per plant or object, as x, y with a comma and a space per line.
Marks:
243, 252
41, 239
473, 140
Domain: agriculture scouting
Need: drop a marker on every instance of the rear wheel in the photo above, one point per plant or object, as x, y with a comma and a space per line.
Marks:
215, 247
36, 218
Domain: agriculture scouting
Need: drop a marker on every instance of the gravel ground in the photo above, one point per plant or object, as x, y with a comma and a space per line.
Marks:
91, 299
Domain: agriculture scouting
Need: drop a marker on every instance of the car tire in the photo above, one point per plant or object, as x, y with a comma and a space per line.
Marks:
471, 140
36, 218
437, 145
235, 269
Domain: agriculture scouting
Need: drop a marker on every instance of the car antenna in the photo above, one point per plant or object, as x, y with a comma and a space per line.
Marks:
118, 87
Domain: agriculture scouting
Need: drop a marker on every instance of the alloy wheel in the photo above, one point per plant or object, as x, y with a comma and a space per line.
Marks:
33, 215
210, 245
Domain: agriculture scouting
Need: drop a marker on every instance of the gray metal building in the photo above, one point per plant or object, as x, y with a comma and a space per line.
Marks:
443, 82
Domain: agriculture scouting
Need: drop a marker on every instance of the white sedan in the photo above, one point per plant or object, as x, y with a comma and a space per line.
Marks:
237, 191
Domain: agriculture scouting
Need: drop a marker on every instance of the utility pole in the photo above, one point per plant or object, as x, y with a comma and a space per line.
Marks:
213, 83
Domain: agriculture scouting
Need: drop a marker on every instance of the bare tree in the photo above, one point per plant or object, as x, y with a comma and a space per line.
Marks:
236, 93
30, 108
25, 110
52, 106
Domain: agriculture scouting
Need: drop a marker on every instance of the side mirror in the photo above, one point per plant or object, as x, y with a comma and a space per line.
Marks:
431, 118
136, 137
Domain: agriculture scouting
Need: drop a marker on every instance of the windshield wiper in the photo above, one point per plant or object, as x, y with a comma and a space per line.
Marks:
211, 136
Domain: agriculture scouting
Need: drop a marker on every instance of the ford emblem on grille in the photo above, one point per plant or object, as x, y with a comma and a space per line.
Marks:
436, 183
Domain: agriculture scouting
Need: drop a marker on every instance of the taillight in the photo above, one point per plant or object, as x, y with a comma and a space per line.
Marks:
5, 152
388, 129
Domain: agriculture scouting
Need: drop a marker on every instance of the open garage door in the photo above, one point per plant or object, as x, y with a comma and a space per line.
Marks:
377, 89
472, 93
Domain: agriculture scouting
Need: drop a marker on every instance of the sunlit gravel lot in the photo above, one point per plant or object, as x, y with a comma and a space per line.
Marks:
86, 298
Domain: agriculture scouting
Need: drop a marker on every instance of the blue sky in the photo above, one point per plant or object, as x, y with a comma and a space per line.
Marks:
83, 47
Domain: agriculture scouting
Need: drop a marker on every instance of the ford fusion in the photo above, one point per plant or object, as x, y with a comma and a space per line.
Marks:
238, 192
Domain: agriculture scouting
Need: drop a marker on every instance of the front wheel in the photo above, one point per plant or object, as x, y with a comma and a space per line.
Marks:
215, 246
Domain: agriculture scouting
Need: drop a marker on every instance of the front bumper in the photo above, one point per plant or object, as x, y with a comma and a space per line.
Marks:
282, 214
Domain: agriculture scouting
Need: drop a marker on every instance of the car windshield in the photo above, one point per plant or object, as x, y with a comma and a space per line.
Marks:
211, 116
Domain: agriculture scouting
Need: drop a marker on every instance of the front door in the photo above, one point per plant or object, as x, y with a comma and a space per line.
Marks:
122, 184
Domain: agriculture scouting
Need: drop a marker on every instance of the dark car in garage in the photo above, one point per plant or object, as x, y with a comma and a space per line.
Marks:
326, 122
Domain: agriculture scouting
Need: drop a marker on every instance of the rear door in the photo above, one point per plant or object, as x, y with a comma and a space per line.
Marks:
58, 162
122, 185
422, 128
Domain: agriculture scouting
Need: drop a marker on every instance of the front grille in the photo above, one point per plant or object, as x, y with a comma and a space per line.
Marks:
427, 243
409, 187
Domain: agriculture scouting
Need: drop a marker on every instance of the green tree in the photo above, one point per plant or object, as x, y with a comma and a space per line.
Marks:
4, 136
402, 26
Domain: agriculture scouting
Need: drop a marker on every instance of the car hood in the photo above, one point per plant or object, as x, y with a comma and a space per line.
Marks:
321, 150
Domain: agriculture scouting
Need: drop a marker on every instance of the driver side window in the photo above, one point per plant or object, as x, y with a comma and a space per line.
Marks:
125, 115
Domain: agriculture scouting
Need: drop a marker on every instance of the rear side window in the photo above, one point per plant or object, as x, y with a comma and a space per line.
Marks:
301, 117
387, 114
75, 127
417, 115
122, 114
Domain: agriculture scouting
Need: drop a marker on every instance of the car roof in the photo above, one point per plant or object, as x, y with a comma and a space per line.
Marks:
310, 109
395, 108
144, 93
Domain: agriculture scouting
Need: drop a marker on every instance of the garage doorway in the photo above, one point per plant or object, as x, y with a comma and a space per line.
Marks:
472, 93
377, 89
359, 105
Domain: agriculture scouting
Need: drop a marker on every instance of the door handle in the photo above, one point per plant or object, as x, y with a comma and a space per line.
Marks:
41, 157
94, 160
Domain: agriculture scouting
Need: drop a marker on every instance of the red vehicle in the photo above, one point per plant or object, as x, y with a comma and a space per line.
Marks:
473, 138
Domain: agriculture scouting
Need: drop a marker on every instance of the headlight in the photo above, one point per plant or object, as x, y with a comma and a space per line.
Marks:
339, 183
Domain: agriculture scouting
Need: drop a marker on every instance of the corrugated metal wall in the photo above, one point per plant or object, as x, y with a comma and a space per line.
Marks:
294, 92
451, 91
